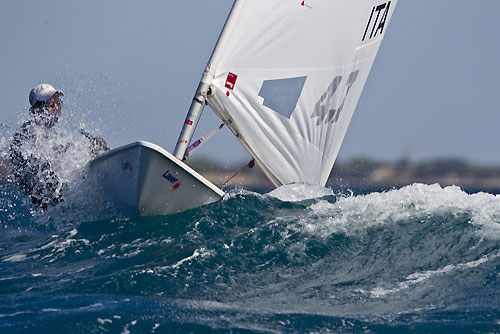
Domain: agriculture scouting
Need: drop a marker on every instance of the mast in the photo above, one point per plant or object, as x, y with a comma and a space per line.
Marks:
192, 117
204, 85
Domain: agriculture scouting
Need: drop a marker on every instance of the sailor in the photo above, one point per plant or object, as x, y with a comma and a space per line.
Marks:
33, 173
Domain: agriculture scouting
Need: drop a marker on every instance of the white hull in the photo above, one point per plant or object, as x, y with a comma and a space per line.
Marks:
145, 179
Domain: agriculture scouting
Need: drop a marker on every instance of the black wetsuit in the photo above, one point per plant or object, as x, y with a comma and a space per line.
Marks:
34, 174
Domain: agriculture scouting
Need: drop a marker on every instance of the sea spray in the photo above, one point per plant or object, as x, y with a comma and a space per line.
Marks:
67, 152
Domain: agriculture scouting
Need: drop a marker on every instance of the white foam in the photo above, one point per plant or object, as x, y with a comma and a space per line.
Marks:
90, 307
126, 328
104, 321
420, 277
9, 278
349, 214
73, 232
201, 252
15, 258
15, 314
51, 310
240, 193
58, 248
299, 192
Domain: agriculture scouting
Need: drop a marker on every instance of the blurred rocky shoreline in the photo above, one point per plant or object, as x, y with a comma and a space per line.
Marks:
362, 173
367, 175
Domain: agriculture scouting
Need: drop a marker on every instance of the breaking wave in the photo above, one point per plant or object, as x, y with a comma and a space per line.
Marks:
299, 259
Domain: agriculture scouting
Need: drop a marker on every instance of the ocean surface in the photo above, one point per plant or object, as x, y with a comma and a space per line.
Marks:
301, 259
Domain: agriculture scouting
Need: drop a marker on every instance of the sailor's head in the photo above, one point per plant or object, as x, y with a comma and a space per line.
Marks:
45, 101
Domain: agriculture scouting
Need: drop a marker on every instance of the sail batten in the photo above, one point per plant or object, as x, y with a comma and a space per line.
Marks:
287, 76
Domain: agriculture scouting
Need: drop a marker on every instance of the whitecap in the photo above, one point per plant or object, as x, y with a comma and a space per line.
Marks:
297, 192
240, 193
354, 213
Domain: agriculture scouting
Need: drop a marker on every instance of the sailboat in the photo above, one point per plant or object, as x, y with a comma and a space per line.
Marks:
285, 77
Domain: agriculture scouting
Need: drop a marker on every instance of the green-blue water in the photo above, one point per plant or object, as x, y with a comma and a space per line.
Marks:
421, 259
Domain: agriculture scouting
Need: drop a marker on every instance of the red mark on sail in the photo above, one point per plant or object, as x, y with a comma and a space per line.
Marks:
231, 80
176, 186
227, 93
306, 5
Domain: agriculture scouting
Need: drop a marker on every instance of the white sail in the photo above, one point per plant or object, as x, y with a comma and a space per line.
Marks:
287, 76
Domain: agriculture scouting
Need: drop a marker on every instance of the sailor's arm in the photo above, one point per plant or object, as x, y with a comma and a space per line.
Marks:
97, 144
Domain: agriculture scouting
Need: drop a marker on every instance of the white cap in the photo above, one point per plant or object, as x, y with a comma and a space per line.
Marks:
43, 93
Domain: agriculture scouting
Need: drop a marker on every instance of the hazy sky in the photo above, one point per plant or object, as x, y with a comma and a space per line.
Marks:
129, 70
